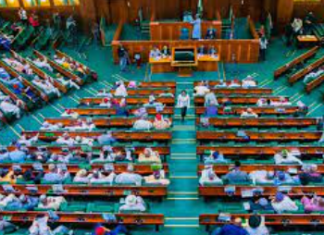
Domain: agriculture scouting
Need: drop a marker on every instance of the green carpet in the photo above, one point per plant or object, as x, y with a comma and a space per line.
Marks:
182, 205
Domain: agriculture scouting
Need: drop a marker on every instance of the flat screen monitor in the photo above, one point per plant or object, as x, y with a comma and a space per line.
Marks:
184, 55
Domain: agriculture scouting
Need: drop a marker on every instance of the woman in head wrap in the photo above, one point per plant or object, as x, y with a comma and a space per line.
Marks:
161, 123
149, 155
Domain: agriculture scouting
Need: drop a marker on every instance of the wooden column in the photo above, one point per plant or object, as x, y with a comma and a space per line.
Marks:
284, 13
88, 14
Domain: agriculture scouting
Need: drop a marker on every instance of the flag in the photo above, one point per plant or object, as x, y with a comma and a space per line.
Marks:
200, 7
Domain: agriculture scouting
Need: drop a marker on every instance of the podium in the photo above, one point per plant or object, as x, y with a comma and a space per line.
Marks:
184, 59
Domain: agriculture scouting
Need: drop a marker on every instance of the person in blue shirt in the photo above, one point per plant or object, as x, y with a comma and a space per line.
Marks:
231, 229
4, 155
101, 230
196, 31
53, 177
17, 156
24, 202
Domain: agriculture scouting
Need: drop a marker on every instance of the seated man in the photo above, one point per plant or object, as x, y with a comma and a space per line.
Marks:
40, 227
46, 86
235, 83
53, 176
23, 140
236, 175
121, 90
9, 108
43, 64
17, 155
98, 177
234, 228
201, 89
165, 52
24, 202
310, 174
65, 139
7, 227
101, 230
133, 203
249, 114
211, 33
313, 75
248, 82
6, 200
129, 177
70, 113
149, 156
313, 204
69, 83
215, 157
209, 176
82, 177
50, 203
257, 226
211, 110
51, 127
261, 204
283, 101
282, 203
210, 98
287, 157
142, 124
155, 53
106, 138
161, 123
105, 93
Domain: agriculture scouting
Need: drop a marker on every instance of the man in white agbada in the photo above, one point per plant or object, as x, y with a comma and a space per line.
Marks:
70, 113
133, 203
121, 90
53, 203
51, 127
67, 82
248, 82
283, 203
7, 107
286, 156
82, 177
65, 139
43, 64
201, 89
46, 86
40, 227
210, 98
129, 177
209, 176
28, 142
142, 124
98, 177
5, 200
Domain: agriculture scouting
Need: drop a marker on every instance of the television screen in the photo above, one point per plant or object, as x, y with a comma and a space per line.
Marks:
183, 55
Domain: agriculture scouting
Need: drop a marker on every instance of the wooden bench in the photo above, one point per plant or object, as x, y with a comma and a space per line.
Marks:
199, 101
303, 72
296, 191
307, 55
24, 81
38, 71
59, 68
129, 100
147, 91
137, 219
270, 110
308, 136
160, 84
92, 190
244, 151
163, 151
260, 122
12, 95
282, 220
99, 122
163, 136
112, 111
315, 83
139, 168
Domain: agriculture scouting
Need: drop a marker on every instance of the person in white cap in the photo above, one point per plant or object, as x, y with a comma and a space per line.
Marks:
209, 176
133, 203
121, 90
129, 177
51, 203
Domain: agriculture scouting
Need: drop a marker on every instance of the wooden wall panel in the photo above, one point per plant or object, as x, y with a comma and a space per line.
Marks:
284, 13
248, 49
302, 8
172, 31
